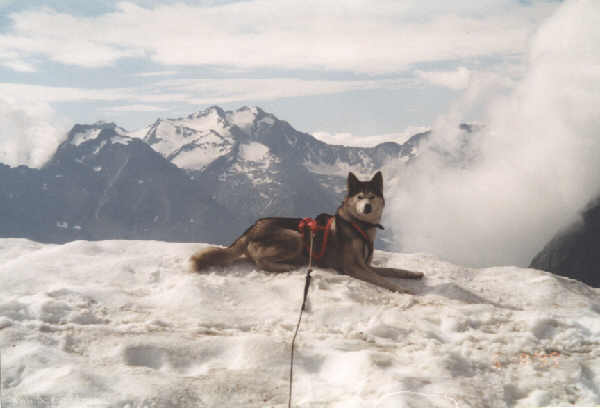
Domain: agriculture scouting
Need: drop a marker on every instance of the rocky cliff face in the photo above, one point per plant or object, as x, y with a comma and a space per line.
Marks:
575, 252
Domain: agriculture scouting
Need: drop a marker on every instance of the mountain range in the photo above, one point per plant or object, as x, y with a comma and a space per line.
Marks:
205, 177
199, 178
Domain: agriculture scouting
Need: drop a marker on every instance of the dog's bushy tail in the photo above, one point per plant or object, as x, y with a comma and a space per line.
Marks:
217, 256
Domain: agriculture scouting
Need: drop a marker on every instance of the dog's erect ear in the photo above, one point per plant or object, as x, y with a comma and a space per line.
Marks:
377, 181
353, 184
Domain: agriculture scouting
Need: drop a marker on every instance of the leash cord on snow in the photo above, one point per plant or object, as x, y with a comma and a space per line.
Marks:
305, 296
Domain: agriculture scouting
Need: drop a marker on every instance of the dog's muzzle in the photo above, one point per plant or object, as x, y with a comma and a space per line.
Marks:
368, 209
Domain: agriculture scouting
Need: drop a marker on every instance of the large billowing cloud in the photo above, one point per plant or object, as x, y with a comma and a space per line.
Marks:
529, 172
360, 36
30, 132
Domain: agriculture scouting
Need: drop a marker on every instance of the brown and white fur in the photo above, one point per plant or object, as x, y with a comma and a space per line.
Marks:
275, 244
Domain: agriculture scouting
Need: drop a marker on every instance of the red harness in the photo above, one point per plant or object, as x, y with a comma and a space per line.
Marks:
315, 227
360, 231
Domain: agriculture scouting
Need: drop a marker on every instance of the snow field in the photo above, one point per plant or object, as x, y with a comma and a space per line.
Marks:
82, 137
125, 324
254, 152
189, 144
244, 118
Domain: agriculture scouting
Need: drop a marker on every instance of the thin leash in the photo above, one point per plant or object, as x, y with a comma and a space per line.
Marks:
306, 286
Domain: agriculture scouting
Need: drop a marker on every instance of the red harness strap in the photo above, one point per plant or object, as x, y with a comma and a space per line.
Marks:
314, 227
360, 231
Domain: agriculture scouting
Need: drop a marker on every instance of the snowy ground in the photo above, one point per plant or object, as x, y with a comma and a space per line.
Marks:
124, 324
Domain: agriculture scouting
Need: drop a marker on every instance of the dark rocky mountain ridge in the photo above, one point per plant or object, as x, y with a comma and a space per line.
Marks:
575, 251
107, 187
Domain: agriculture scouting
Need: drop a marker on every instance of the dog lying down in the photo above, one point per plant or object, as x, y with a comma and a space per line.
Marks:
343, 241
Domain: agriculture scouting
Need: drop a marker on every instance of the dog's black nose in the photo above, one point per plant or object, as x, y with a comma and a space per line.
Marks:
368, 208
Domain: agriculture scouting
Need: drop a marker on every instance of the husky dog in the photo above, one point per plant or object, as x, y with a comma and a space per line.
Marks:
343, 241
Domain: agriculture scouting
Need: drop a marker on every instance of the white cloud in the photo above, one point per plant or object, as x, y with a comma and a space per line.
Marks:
156, 73
533, 167
11, 59
457, 80
50, 94
18, 65
209, 91
359, 36
199, 91
30, 132
136, 108
348, 139
64, 38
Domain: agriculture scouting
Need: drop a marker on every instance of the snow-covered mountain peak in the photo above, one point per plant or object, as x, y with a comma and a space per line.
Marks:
213, 112
194, 141
212, 118
243, 117
253, 109
84, 136
104, 124
101, 132
250, 118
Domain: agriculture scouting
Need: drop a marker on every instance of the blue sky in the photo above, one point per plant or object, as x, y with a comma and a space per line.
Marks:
343, 69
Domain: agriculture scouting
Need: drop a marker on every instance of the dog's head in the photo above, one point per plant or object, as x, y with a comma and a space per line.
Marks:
365, 198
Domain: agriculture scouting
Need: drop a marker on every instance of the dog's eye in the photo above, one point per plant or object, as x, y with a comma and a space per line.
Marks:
361, 197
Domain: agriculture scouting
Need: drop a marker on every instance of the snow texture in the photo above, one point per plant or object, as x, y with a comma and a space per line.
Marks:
125, 324
254, 151
243, 118
139, 133
85, 136
196, 141
193, 142
124, 140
